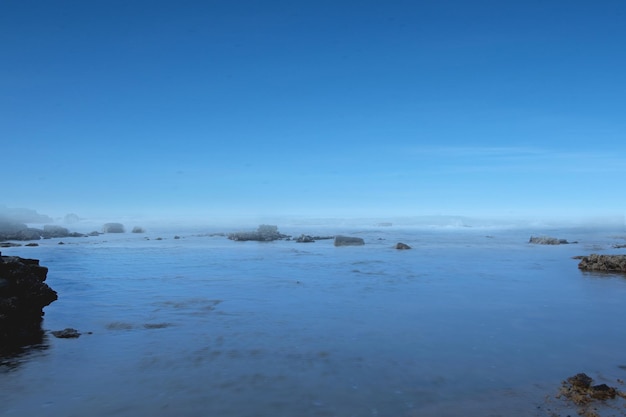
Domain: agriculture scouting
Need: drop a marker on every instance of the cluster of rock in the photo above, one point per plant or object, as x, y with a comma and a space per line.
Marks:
268, 233
264, 233
20, 231
23, 295
546, 240
580, 390
608, 263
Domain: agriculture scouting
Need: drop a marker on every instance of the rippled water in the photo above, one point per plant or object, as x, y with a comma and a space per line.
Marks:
468, 322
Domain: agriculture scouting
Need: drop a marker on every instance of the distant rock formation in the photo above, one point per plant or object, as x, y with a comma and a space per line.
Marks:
113, 228
23, 295
608, 263
402, 246
19, 231
264, 233
138, 229
348, 241
545, 240
22, 215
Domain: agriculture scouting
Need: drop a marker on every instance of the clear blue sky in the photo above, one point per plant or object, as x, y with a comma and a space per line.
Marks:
321, 108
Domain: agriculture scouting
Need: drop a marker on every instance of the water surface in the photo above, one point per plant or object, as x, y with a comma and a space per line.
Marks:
468, 322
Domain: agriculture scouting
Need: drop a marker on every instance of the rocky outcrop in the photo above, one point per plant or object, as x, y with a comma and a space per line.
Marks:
402, 246
19, 231
608, 263
579, 390
264, 233
23, 295
545, 240
348, 241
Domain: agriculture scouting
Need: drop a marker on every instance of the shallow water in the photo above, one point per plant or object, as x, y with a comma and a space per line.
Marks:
466, 323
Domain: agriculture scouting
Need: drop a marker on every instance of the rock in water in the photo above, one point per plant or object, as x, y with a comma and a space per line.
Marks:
608, 263
348, 241
23, 295
545, 240
402, 246
67, 333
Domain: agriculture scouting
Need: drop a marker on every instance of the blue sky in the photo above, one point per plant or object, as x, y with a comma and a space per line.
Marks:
314, 108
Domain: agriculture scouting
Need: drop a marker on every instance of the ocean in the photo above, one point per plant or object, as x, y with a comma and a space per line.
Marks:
469, 322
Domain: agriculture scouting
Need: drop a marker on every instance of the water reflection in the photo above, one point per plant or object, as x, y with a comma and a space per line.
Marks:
18, 352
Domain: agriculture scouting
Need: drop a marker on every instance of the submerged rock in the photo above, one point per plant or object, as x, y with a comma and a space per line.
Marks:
348, 241
23, 295
608, 263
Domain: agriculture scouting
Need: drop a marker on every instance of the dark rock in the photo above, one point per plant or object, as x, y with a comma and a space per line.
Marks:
138, 229
23, 295
67, 333
619, 246
545, 240
94, 233
348, 241
580, 380
32, 244
113, 228
608, 263
9, 245
176, 237
602, 392
402, 246
305, 239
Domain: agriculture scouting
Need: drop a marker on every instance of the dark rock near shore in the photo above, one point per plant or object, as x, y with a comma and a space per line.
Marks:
23, 295
402, 246
67, 333
545, 240
579, 390
348, 241
608, 263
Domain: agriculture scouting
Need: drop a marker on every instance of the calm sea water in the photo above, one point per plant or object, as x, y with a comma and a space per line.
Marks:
467, 323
